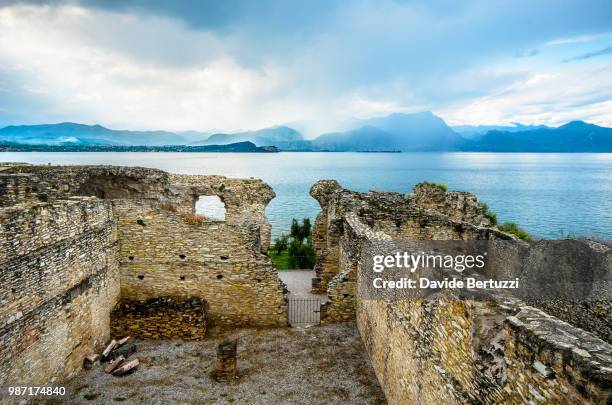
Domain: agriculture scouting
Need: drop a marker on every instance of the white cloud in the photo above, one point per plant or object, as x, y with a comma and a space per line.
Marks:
576, 39
543, 98
130, 69
44, 49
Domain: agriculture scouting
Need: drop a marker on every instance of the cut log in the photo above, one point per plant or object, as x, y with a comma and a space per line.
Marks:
90, 360
126, 350
126, 367
123, 341
109, 348
110, 367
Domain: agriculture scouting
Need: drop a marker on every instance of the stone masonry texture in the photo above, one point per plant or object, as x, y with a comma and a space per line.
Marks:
77, 242
160, 318
93, 252
452, 349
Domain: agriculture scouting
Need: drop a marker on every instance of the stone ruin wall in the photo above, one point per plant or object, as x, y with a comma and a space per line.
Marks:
77, 256
220, 263
455, 215
160, 318
59, 280
452, 350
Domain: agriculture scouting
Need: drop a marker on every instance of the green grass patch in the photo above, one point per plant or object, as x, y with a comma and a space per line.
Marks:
441, 186
281, 261
514, 229
490, 215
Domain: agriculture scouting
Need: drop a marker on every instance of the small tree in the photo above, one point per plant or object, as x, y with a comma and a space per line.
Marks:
300, 232
299, 247
301, 255
281, 243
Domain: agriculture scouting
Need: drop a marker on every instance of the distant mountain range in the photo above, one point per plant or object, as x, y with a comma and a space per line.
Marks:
238, 147
396, 132
477, 131
575, 136
68, 133
282, 137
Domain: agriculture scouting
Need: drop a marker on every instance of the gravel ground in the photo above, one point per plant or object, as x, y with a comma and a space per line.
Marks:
316, 365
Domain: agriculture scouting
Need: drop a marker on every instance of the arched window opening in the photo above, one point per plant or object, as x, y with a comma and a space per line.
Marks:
211, 207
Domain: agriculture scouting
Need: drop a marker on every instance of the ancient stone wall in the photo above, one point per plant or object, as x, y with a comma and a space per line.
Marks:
494, 349
59, 279
167, 250
165, 253
444, 216
160, 318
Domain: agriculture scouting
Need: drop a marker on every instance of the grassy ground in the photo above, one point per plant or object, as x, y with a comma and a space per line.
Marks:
280, 260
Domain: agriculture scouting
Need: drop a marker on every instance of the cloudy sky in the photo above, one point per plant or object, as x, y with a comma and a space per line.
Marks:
231, 65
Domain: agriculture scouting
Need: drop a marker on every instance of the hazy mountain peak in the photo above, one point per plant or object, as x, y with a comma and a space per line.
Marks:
577, 124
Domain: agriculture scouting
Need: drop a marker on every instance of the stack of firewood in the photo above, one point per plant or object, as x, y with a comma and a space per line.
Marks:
116, 357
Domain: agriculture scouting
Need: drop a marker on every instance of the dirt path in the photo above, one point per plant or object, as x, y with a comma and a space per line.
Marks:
299, 283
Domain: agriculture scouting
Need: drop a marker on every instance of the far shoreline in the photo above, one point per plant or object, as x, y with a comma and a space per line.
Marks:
105, 150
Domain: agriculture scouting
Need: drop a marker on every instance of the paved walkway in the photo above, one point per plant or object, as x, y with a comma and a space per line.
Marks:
299, 283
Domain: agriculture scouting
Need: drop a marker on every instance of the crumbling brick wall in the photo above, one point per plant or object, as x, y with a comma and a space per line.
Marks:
164, 254
59, 279
455, 349
164, 250
447, 215
160, 318
65, 258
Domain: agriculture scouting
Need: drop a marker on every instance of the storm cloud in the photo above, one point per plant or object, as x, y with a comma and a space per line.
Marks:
243, 64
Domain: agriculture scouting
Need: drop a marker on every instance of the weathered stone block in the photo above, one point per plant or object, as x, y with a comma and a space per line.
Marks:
225, 366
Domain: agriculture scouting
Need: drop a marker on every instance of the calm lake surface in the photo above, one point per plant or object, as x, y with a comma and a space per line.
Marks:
544, 193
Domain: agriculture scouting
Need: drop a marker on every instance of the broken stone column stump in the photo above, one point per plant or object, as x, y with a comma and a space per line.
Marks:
225, 369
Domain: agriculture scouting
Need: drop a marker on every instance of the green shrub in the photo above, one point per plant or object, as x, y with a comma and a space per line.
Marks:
441, 186
300, 232
301, 255
295, 251
281, 243
490, 215
140, 222
280, 260
514, 229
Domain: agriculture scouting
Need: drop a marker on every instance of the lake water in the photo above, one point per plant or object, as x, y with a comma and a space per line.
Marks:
544, 193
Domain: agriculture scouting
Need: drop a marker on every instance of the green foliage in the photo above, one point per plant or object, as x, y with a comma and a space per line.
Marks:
490, 215
301, 255
441, 186
281, 243
295, 251
140, 222
43, 197
300, 232
280, 260
514, 229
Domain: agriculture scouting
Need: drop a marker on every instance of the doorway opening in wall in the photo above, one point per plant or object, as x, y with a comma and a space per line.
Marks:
211, 207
